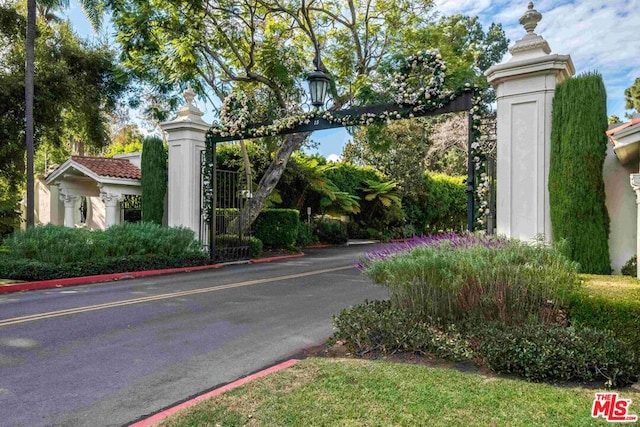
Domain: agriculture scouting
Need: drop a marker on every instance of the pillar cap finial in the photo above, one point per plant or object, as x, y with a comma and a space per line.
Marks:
531, 45
189, 95
189, 111
530, 18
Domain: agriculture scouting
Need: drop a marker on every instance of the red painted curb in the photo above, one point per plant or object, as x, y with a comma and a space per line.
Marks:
85, 280
100, 278
276, 258
154, 419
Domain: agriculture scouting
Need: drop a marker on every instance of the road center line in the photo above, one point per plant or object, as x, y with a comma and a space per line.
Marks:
66, 312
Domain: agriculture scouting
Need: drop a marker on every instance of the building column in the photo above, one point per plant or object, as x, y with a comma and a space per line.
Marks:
635, 184
186, 138
69, 209
525, 86
112, 208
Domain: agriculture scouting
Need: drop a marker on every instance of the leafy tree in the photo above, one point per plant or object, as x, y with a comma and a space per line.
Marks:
74, 86
403, 150
632, 96
154, 179
262, 48
128, 139
576, 187
613, 119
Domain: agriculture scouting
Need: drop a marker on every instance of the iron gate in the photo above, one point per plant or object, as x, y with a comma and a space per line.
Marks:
130, 208
221, 210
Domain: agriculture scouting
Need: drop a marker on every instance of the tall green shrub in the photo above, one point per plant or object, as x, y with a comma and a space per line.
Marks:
277, 228
576, 187
154, 179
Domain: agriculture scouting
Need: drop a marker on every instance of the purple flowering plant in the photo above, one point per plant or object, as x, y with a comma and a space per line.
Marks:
452, 240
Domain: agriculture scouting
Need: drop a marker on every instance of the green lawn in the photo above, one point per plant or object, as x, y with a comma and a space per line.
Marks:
347, 392
613, 287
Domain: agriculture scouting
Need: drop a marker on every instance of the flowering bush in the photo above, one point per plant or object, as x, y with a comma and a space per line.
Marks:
475, 279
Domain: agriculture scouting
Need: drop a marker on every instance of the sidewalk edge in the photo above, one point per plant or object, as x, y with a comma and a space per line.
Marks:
155, 419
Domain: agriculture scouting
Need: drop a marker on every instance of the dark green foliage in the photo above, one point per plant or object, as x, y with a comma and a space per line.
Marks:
621, 316
9, 213
331, 231
52, 252
350, 178
533, 351
442, 207
27, 269
540, 353
306, 235
277, 228
231, 241
376, 326
154, 179
576, 186
630, 268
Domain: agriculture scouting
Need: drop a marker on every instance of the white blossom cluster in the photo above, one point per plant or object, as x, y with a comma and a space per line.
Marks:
235, 111
234, 114
482, 192
409, 85
483, 147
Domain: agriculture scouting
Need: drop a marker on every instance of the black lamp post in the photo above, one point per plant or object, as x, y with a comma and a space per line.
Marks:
318, 87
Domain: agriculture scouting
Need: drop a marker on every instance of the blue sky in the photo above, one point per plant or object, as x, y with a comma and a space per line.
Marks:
599, 35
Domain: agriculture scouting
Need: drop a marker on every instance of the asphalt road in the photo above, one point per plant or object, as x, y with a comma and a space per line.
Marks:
113, 353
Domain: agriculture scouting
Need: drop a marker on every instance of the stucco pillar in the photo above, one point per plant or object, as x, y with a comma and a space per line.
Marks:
635, 184
186, 138
69, 209
525, 86
111, 208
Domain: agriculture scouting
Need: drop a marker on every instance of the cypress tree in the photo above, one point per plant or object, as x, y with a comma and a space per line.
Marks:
154, 179
576, 187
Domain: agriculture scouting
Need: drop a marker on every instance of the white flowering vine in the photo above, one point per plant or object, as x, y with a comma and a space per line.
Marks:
417, 88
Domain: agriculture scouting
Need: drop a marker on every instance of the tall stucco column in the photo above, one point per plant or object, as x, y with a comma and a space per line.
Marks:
69, 209
186, 138
635, 184
111, 208
525, 86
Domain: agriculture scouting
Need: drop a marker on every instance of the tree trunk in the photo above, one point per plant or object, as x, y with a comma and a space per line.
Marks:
29, 95
271, 177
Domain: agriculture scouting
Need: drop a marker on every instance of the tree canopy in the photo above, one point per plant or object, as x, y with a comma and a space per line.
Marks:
265, 48
75, 85
632, 96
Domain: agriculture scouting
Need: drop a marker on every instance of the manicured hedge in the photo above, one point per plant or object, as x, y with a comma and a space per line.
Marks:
154, 179
52, 252
277, 228
32, 270
441, 208
576, 186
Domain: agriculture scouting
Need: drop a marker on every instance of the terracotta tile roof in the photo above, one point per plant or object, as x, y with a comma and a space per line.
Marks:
116, 168
622, 126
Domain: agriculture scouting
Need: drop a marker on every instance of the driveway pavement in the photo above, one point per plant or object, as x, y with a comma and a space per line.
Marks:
112, 353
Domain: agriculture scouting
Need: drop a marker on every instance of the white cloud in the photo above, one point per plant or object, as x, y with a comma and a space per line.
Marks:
599, 36
334, 158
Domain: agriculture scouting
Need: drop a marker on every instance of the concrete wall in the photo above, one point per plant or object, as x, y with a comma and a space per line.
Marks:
48, 207
621, 204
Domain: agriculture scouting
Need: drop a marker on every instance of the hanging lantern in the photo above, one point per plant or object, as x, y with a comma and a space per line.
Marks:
318, 87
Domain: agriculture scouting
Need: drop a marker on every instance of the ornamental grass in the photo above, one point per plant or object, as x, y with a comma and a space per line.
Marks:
467, 279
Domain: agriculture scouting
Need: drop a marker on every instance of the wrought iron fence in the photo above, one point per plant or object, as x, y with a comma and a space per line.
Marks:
223, 224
